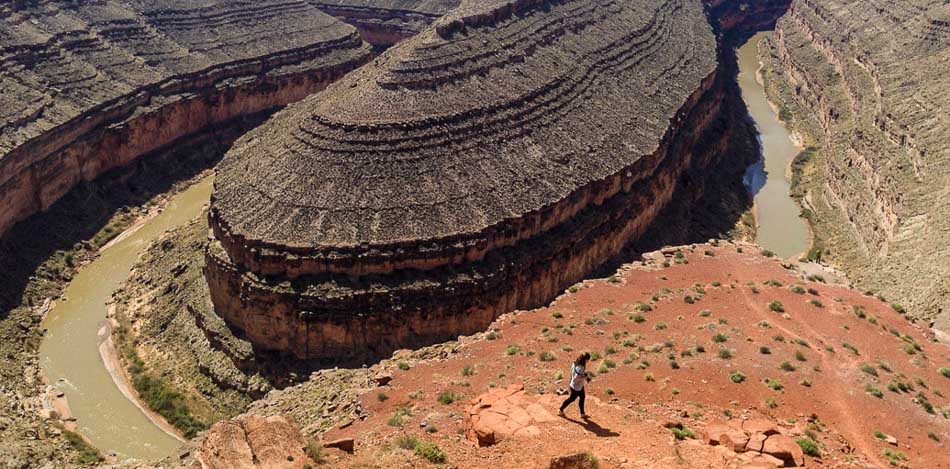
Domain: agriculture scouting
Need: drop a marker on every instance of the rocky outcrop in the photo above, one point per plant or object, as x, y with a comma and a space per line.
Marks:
384, 23
503, 413
865, 85
89, 86
463, 175
252, 441
763, 441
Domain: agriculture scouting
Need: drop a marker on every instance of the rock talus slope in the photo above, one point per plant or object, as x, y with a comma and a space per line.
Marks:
867, 83
481, 166
89, 86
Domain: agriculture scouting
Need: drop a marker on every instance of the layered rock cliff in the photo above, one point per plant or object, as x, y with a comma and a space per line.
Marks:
479, 167
91, 85
866, 83
386, 22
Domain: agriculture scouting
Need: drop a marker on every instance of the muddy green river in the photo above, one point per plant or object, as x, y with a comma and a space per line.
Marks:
780, 227
70, 355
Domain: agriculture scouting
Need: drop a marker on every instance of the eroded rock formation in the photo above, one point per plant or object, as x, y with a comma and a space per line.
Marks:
87, 86
867, 83
480, 167
386, 22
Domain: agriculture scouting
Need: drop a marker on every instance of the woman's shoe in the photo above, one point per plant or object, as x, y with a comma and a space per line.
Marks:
585, 416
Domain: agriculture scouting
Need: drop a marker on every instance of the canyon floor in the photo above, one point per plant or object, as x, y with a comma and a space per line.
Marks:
689, 339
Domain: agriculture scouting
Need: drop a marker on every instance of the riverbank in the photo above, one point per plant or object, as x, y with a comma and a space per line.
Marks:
120, 375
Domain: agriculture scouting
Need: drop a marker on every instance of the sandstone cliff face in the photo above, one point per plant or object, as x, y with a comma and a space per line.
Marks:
867, 81
89, 86
463, 174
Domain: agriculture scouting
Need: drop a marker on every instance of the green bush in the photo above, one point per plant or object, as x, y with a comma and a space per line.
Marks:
512, 349
777, 306
786, 366
809, 446
720, 338
430, 452
403, 366
448, 397
682, 433
168, 402
737, 377
86, 453
407, 442
765, 350
945, 371
315, 450
546, 356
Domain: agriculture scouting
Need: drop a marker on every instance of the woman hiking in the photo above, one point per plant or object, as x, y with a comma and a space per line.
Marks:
579, 377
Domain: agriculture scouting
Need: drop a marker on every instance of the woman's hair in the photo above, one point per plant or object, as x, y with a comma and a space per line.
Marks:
582, 359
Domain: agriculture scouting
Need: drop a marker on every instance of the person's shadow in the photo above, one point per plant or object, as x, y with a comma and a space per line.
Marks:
594, 428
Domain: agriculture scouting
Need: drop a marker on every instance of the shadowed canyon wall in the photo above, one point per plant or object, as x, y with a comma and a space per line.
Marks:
865, 84
91, 85
479, 167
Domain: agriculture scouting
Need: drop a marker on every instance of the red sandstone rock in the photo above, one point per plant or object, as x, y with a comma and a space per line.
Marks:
713, 432
755, 442
784, 448
502, 413
251, 441
573, 461
343, 444
760, 426
734, 440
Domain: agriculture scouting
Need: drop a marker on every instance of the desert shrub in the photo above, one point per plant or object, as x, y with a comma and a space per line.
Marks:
786, 366
399, 417
682, 433
800, 356
448, 397
720, 338
467, 370
86, 454
403, 366
168, 402
557, 315
382, 397
546, 356
770, 402
797, 290
900, 309
809, 446
430, 452
816, 303
869, 369
649, 377
852, 348
637, 318
774, 384
512, 349
737, 377
772, 283
777, 306
874, 391
726, 353
764, 350
945, 371
644, 307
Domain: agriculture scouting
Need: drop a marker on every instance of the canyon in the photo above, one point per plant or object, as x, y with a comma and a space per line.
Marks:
866, 89
429, 171
534, 158
91, 86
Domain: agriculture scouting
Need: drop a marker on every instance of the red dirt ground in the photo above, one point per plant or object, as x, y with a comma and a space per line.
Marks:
628, 411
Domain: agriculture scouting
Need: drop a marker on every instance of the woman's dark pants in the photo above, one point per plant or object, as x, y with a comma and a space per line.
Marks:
574, 395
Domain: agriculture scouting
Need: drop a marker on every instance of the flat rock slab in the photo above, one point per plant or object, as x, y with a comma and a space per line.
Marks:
503, 413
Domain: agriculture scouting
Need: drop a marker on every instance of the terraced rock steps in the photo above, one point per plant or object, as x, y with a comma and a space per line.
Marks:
384, 23
479, 167
90, 86
867, 88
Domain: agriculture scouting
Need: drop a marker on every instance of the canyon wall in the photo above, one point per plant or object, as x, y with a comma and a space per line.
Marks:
91, 85
383, 23
480, 167
867, 85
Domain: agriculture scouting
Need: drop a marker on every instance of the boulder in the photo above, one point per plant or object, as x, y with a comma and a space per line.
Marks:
251, 441
734, 440
342, 444
713, 432
755, 442
766, 427
784, 448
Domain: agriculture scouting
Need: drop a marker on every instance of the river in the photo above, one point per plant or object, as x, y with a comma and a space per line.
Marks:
69, 353
779, 226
